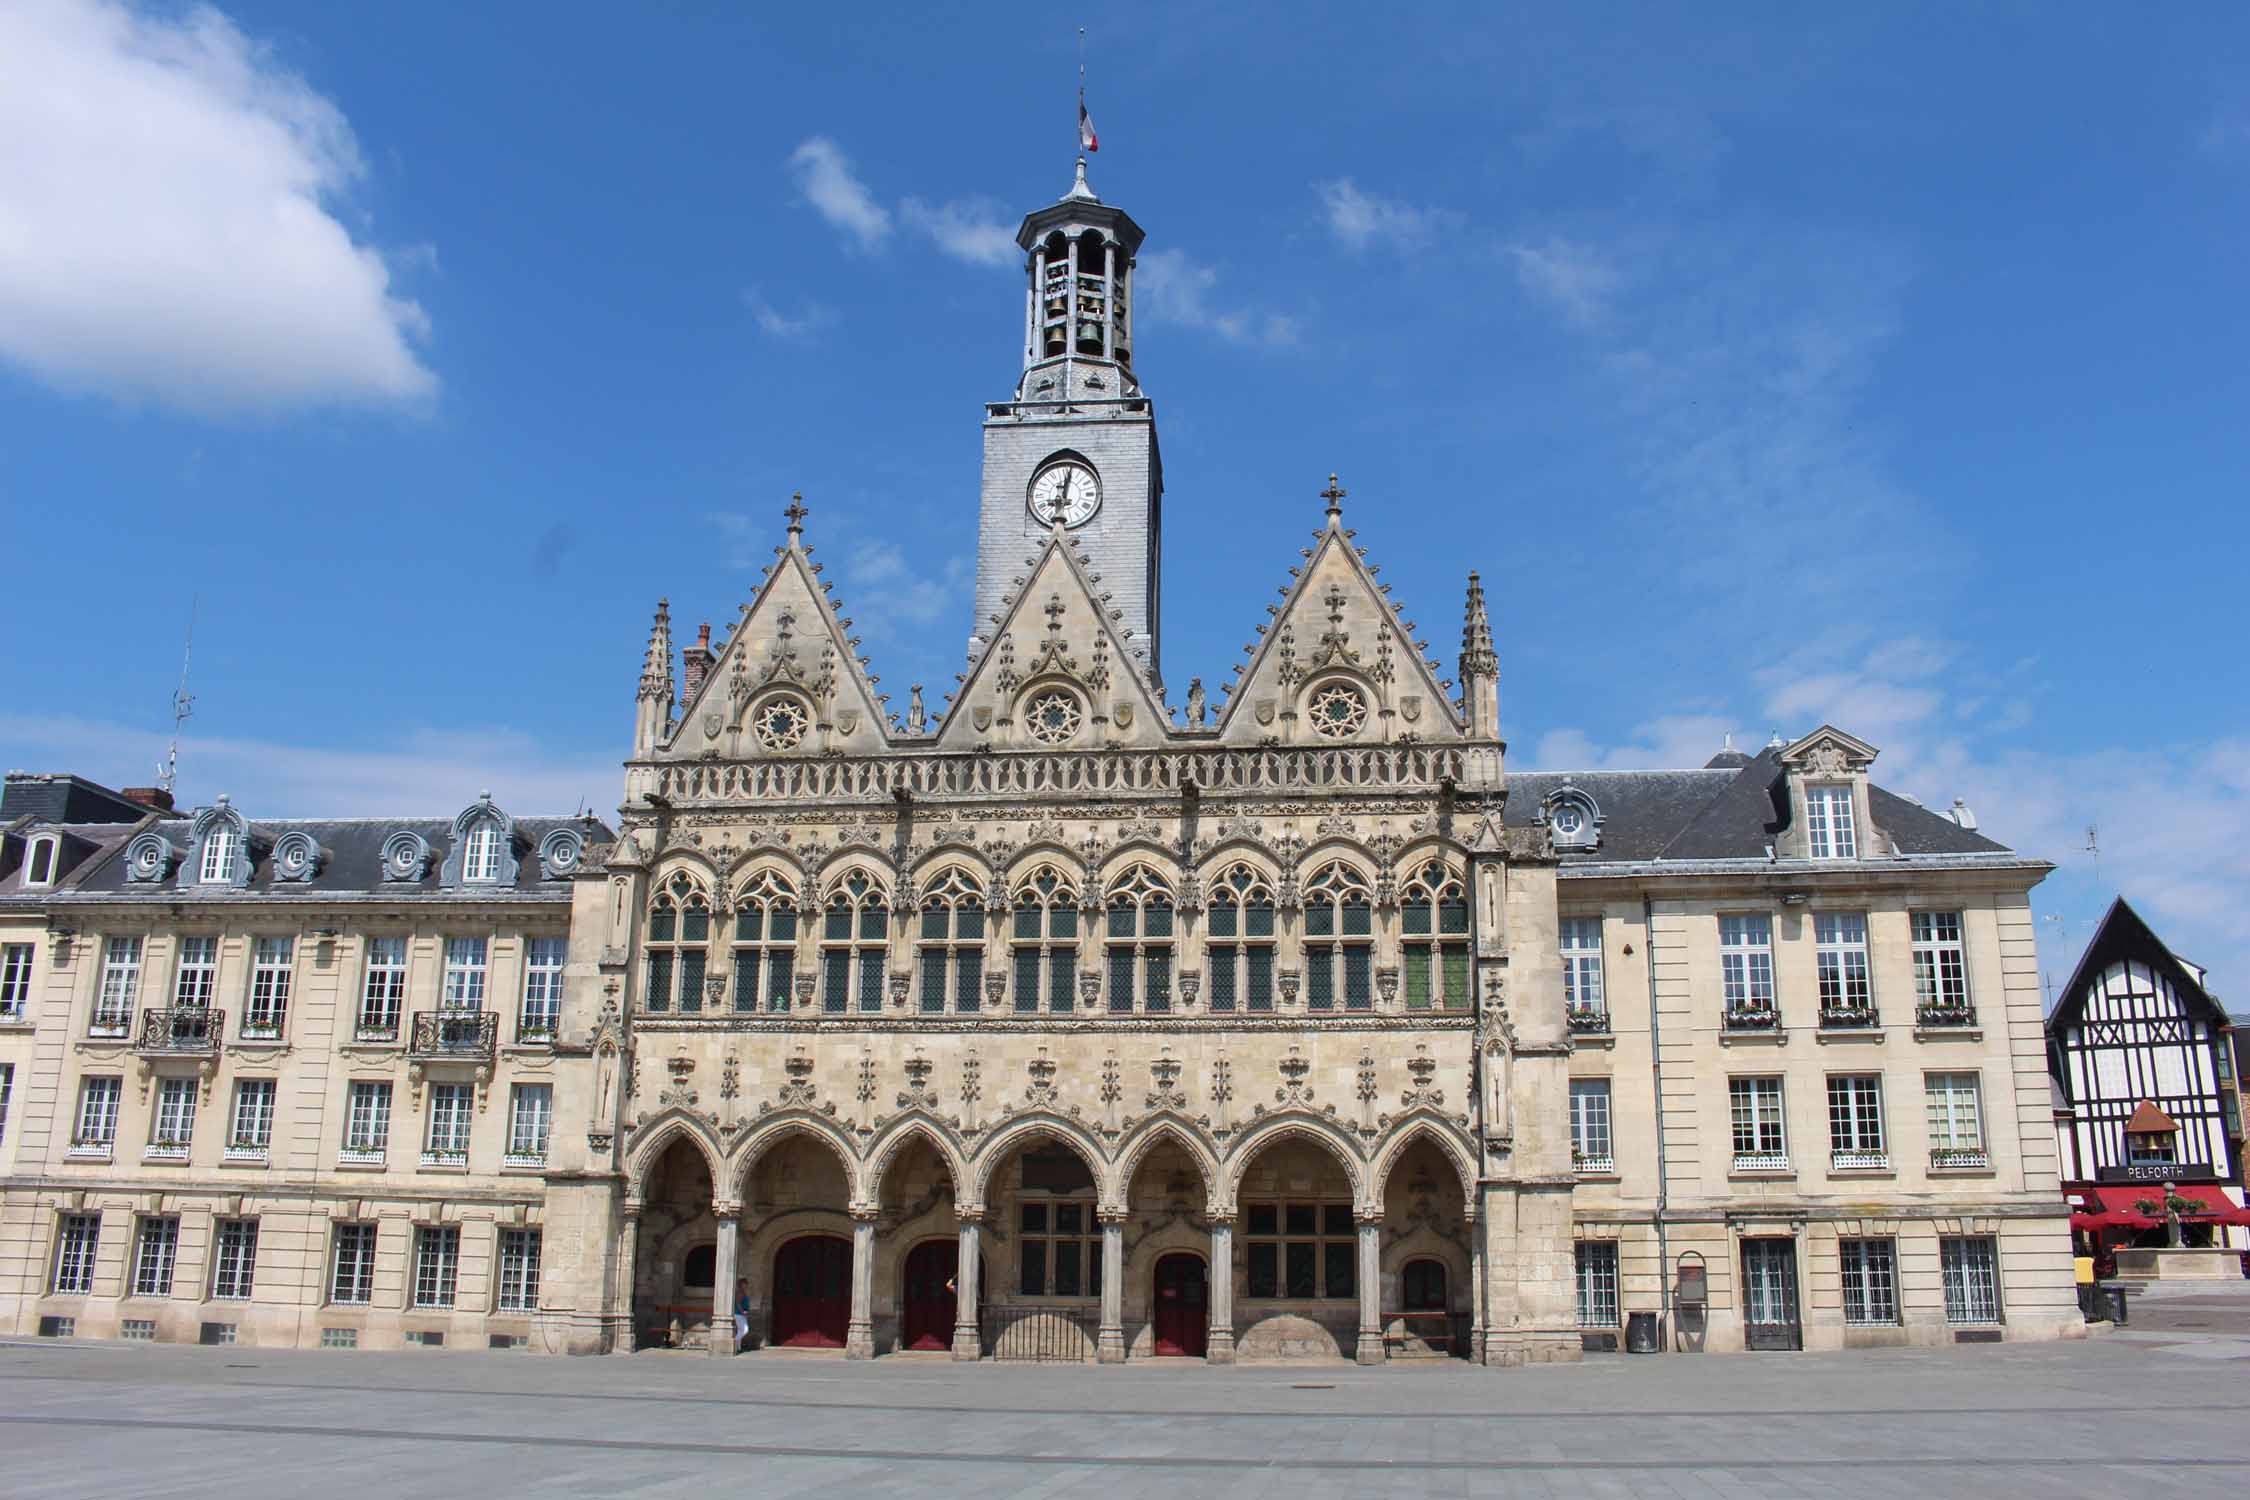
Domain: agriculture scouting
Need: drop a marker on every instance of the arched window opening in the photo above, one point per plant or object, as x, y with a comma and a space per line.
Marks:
1093, 293
853, 942
1045, 941
1422, 1286
480, 858
679, 939
765, 944
1054, 296
701, 1268
952, 950
1434, 920
1139, 947
1339, 942
1240, 952
39, 867
222, 846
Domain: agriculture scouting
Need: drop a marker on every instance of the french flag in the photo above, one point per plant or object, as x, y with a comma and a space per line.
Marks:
1087, 140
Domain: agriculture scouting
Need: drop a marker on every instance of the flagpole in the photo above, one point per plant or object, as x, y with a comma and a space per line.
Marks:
1078, 126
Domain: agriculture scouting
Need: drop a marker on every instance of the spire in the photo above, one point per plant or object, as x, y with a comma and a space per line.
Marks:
1081, 190
796, 513
1480, 665
1334, 495
656, 671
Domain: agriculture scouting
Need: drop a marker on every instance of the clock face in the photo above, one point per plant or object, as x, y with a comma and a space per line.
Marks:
1067, 491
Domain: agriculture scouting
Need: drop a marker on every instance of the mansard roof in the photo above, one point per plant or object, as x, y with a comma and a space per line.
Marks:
2124, 937
1722, 811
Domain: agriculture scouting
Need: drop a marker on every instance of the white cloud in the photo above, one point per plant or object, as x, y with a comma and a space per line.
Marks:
808, 320
969, 230
1574, 280
1675, 741
888, 595
1176, 289
168, 228
1361, 219
824, 175
417, 773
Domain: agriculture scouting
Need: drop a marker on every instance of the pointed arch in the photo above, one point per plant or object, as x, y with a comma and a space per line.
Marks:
926, 864
659, 1135
1294, 1125
1146, 1137
680, 859
916, 1124
1161, 859
1026, 1129
771, 1132
1451, 1144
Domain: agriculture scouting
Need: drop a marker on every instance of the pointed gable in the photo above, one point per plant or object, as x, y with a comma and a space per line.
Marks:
2124, 937
1059, 673
1336, 664
788, 680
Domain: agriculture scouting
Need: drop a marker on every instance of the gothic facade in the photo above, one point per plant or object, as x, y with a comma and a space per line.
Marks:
1067, 1018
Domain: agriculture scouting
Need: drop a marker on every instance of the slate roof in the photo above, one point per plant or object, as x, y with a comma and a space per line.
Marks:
1730, 809
60, 797
82, 843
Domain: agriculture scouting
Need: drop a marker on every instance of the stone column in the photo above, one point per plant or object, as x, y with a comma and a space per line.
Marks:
1110, 1347
628, 1253
1478, 1298
859, 1338
1220, 1349
721, 1337
1370, 1350
968, 1339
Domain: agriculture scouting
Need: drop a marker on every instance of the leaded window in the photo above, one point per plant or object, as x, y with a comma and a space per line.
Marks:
234, 1259
1301, 1251
1840, 956
951, 953
1061, 1248
1580, 942
437, 1262
268, 1010
854, 943
77, 1241
1138, 946
382, 992
1043, 942
156, 1250
1339, 941
466, 967
196, 978
765, 943
97, 1113
1240, 926
1855, 1122
678, 947
351, 1279
1970, 1266
1597, 1283
173, 1130
1829, 833
1870, 1276
120, 988
543, 962
1434, 923
1941, 966
519, 1270
1754, 1107
1590, 1148
1746, 966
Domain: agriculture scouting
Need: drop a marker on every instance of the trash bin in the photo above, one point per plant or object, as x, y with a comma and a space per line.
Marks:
1640, 1333
2113, 1304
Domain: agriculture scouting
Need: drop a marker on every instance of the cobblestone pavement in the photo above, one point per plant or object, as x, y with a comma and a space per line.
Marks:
2146, 1412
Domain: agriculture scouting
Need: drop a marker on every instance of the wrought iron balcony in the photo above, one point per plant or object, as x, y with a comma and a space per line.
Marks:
1588, 1019
454, 1035
1752, 1018
1848, 1017
192, 1030
1933, 1014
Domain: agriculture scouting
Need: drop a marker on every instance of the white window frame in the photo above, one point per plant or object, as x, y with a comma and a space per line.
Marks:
351, 1253
1868, 1272
195, 974
1746, 962
78, 1243
540, 1017
452, 1108
156, 1255
1941, 962
16, 960
46, 847
1841, 959
99, 1096
265, 1012
367, 1121
120, 990
468, 962
437, 1266
1858, 1140
1758, 1115
222, 846
1591, 1147
1969, 1266
519, 1253
1956, 1130
531, 1120
382, 989
1579, 940
480, 855
171, 1131
250, 1128
7, 1083
1831, 830
234, 1260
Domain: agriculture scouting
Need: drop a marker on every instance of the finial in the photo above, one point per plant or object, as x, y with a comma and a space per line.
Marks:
1334, 495
1081, 189
1477, 656
796, 514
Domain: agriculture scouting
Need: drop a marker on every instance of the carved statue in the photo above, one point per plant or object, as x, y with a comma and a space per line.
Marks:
1195, 702
917, 718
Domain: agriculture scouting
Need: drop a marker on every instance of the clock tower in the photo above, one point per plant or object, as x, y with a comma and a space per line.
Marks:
1077, 442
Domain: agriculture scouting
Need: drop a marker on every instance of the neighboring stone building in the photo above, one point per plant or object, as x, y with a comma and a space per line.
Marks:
1076, 1018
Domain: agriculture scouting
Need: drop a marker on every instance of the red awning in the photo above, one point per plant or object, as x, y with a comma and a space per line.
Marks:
2212, 1204
2112, 1220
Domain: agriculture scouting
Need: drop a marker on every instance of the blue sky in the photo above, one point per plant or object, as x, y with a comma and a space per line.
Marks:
1879, 367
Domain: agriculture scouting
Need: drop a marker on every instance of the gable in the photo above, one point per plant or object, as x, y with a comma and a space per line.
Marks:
2124, 938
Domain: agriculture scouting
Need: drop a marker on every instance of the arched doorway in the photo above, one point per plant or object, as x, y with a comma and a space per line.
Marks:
812, 1292
1421, 1286
1182, 1315
928, 1303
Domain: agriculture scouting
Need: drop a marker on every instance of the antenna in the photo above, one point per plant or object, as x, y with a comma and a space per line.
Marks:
183, 704
2094, 847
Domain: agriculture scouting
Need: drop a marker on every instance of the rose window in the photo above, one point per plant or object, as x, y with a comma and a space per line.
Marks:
1053, 717
1338, 711
781, 724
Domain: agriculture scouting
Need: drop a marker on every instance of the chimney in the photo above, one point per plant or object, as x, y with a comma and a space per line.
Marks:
696, 661
148, 796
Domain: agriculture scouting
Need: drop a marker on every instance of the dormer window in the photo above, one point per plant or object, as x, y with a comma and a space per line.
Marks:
480, 863
39, 867
1570, 820
1574, 822
222, 846
1829, 830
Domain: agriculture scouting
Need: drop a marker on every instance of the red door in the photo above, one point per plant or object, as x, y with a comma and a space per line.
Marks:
926, 1321
812, 1292
1183, 1317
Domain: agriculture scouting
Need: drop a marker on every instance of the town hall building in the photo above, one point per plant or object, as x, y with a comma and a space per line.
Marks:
1070, 1017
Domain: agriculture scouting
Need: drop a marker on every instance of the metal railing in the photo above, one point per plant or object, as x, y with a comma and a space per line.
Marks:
1041, 1334
462, 1034
181, 1028
1587, 1018
1752, 1018
1941, 1015
1846, 1017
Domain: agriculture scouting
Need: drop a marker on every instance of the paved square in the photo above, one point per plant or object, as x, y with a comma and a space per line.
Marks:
2148, 1412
